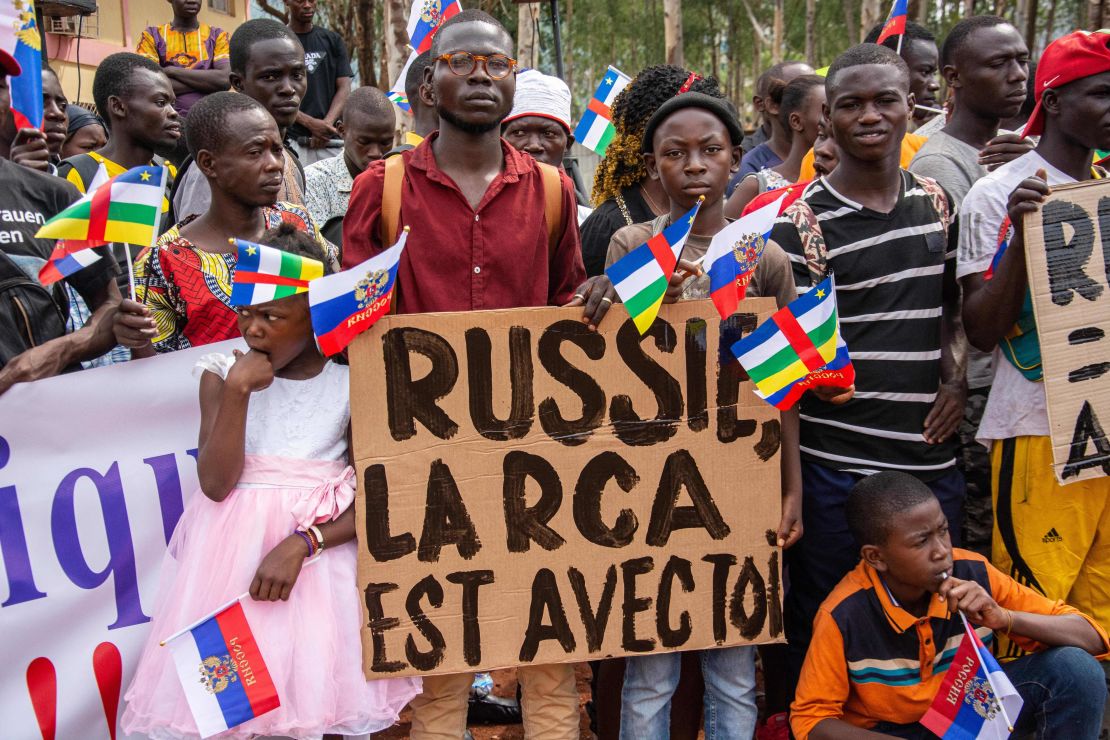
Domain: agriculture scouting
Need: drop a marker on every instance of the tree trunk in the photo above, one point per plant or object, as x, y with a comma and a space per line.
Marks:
568, 47
811, 33
969, 8
757, 52
396, 39
672, 32
1095, 13
364, 25
922, 14
849, 8
526, 47
1030, 27
776, 39
1048, 29
869, 15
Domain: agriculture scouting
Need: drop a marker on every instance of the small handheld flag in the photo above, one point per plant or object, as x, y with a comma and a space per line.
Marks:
19, 36
425, 18
222, 670
798, 347
127, 208
976, 699
641, 276
1005, 232
734, 253
265, 274
595, 130
65, 260
895, 23
397, 94
348, 303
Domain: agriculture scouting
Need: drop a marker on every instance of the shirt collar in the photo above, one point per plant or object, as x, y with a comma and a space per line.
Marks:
516, 163
859, 206
900, 619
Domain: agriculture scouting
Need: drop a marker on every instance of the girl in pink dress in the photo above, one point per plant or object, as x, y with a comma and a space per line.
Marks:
275, 487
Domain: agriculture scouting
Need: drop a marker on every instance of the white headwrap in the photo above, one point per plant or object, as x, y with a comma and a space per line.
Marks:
538, 94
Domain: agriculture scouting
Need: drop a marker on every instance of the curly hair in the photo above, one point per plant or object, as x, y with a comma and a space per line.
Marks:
623, 166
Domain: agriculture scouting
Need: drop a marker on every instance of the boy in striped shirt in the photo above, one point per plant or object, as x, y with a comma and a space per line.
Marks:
886, 636
891, 241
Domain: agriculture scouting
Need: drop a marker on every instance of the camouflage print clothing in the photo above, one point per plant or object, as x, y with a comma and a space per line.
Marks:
973, 460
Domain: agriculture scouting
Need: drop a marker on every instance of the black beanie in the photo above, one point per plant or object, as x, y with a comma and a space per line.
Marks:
719, 107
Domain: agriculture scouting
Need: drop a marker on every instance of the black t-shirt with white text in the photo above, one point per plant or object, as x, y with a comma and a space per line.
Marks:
326, 60
30, 199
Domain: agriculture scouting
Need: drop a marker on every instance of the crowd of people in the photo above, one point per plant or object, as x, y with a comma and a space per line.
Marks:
924, 490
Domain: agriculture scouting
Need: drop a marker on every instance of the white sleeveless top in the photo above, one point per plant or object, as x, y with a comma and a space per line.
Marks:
305, 419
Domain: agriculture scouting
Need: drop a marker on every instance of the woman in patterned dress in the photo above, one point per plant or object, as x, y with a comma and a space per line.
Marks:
183, 285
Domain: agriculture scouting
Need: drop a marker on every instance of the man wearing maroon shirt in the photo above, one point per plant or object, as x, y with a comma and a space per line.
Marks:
475, 206
478, 240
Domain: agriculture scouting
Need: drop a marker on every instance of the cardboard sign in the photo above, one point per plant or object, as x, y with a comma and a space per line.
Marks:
533, 492
1068, 259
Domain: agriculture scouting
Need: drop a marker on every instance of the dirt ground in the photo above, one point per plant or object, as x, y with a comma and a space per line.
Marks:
504, 684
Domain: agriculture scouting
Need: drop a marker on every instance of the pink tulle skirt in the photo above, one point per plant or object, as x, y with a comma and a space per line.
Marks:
311, 642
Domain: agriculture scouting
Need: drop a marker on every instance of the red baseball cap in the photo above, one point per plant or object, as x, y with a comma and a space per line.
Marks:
9, 65
1067, 59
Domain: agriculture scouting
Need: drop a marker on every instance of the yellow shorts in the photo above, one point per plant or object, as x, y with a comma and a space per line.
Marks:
1052, 538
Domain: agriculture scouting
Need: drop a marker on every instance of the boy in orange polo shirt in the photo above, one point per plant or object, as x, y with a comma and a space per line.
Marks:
884, 638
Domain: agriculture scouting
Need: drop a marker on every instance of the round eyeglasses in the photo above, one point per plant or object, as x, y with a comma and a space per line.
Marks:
462, 63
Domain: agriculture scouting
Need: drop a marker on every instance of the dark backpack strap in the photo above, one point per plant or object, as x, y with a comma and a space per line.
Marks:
175, 186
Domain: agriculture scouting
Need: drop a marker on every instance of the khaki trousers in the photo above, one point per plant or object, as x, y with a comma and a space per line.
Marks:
549, 702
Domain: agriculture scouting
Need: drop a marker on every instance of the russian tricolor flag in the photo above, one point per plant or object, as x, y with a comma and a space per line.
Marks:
976, 700
19, 36
895, 22
66, 259
222, 671
734, 254
348, 303
425, 18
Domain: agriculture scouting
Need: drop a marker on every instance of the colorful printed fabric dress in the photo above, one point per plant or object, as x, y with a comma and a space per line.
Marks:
188, 290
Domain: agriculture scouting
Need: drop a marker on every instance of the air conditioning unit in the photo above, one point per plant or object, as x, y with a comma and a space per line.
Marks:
84, 26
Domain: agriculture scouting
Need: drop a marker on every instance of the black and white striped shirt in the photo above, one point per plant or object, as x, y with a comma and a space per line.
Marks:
890, 272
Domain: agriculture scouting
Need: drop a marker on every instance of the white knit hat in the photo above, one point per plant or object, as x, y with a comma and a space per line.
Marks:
538, 94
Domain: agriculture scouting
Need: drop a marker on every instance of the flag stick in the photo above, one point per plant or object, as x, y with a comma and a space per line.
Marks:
219, 609
929, 109
997, 696
898, 51
130, 271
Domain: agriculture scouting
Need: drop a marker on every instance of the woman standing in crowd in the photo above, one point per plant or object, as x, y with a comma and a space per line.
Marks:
623, 192
85, 132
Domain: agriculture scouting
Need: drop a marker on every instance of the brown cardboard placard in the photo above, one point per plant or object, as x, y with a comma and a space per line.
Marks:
532, 492
1067, 246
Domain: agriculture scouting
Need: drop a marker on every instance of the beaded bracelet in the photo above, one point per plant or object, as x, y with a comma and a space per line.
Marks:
317, 535
307, 541
316, 546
